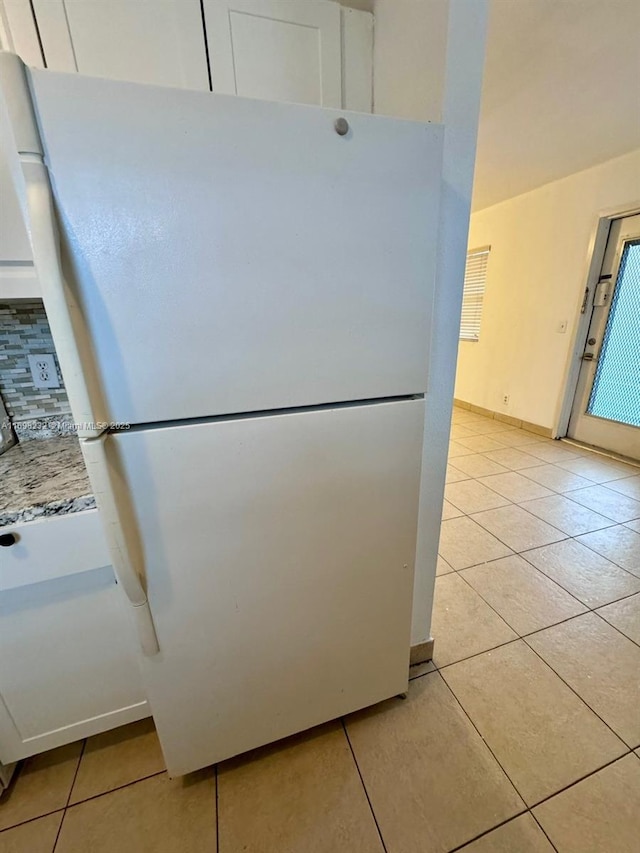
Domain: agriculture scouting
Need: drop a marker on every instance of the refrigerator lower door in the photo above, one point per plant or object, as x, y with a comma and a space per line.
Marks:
278, 553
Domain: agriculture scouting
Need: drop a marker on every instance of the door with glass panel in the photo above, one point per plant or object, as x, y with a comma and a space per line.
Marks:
606, 408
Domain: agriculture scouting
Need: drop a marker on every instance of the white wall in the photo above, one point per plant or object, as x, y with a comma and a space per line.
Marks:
535, 279
428, 63
409, 55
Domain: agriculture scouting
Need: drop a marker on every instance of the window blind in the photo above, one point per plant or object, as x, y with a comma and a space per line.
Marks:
475, 275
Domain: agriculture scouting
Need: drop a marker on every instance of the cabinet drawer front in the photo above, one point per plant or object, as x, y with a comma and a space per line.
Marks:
52, 548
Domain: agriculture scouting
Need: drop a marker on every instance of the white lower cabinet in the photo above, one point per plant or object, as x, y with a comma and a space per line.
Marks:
68, 665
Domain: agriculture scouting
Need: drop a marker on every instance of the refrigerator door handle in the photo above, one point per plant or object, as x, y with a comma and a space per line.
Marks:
30, 179
56, 295
119, 538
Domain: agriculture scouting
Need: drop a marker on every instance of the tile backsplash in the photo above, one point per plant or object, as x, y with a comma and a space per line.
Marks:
24, 331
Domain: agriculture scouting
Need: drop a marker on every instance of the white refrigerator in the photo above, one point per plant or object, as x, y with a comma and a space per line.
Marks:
240, 294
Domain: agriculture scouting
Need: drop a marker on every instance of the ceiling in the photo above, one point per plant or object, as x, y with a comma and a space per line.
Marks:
561, 92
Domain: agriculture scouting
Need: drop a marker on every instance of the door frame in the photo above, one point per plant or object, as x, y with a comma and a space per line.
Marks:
593, 265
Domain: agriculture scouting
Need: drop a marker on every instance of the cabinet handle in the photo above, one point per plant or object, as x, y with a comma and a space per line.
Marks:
8, 539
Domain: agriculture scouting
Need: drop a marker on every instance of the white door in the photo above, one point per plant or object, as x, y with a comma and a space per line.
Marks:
148, 41
68, 666
268, 261
606, 409
278, 553
280, 50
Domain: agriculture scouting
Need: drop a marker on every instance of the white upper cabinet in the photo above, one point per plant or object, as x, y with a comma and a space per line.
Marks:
147, 41
17, 275
279, 50
357, 60
302, 51
18, 31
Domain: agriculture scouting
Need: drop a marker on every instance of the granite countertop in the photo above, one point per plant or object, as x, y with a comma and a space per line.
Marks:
41, 478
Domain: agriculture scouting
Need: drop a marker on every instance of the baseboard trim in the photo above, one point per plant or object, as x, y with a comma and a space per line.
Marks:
421, 653
547, 432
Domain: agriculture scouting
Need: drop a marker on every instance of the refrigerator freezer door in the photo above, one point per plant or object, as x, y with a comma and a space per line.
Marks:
232, 255
278, 553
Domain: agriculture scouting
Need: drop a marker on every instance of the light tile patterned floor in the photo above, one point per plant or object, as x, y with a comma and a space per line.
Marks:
524, 737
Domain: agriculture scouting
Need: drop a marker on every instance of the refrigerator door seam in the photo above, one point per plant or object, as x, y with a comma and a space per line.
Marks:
262, 413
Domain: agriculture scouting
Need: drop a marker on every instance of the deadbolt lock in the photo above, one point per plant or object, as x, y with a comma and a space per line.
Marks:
591, 342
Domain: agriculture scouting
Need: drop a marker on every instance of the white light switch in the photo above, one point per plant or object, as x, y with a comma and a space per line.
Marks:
43, 371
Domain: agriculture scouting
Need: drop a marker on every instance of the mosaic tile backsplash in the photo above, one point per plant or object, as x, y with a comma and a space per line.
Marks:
24, 331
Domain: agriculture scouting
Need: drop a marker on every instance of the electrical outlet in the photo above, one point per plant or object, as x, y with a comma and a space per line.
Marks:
43, 371
505, 399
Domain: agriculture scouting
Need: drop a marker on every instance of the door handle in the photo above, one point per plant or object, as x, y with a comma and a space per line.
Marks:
584, 300
587, 356
95, 457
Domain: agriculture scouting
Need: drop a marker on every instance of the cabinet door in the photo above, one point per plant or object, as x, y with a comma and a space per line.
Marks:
68, 667
357, 60
17, 273
18, 31
278, 50
146, 41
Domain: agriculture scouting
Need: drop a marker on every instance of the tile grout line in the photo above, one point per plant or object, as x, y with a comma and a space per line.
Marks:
364, 787
589, 609
575, 692
615, 627
543, 830
542, 463
628, 751
536, 548
487, 832
583, 450
565, 537
32, 819
599, 512
523, 636
73, 782
522, 553
612, 522
513, 550
518, 634
537, 630
527, 811
484, 741
581, 779
442, 666
114, 789
530, 633
574, 539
